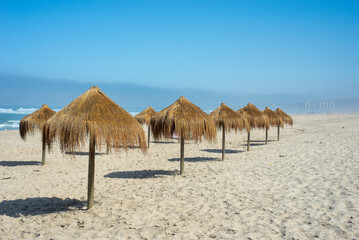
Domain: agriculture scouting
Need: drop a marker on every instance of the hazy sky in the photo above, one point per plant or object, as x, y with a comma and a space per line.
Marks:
297, 47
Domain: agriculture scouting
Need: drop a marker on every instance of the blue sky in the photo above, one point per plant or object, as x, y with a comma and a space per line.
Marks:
273, 47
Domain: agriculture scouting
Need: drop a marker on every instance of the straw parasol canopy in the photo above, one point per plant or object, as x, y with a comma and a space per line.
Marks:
274, 120
255, 118
144, 117
95, 116
36, 121
228, 119
186, 119
286, 119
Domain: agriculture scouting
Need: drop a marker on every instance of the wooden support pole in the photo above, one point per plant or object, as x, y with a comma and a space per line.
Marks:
182, 154
266, 135
91, 173
248, 140
149, 135
43, 154
278, 133
223, 142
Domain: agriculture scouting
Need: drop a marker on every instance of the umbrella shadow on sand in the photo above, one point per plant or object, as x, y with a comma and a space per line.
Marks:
230, 151
262, 141
19, 163
38, 206
254, 144
164, 142
195, 159
142, 174
77, 153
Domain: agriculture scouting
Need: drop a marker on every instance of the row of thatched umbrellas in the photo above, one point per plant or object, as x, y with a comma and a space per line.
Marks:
246, 118
96, 117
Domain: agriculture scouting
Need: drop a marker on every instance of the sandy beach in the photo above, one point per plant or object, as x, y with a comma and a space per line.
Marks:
306, 186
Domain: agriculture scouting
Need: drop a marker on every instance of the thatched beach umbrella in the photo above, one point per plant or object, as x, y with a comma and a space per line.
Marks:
286, 119
255, 118
36, 121
96, 117
228, 119
186, 119
144, 117
274, 120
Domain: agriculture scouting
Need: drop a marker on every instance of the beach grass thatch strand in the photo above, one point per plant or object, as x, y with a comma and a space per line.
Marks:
286, 120
36, 121
96, 117
274, 120
255, 118
144, 117
228, 119
187, 120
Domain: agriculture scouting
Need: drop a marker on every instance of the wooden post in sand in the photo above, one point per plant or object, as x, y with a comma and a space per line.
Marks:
182, 154
266, 135
149, 135
223, 142
278, 133
43, 154
91, 173
248, 140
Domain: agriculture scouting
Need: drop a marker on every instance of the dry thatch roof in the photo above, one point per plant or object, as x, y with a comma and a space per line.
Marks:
274, 118
35, 120
145, 116
183, 116
93, 114
286, 118
254, 116
229, 119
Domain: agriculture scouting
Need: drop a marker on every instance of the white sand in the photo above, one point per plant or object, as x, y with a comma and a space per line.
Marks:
306, 186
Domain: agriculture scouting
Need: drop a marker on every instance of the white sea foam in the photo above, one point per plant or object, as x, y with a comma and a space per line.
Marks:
17, 111
14, 121
9, 124
21, 110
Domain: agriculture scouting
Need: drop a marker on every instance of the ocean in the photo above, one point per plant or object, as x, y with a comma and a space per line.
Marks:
10, 117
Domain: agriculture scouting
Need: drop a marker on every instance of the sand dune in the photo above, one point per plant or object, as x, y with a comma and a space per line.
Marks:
306, 186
